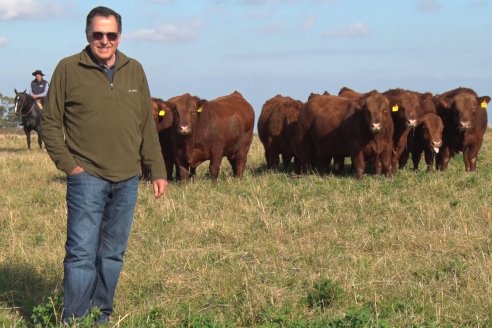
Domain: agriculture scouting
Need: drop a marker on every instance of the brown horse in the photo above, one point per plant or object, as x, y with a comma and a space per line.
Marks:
30, 115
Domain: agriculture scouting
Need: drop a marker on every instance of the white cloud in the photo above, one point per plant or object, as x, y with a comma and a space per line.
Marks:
308, 23
281, 2
356, 30
3, 41
18, 9
168, 33
429, 5
479, 3
272, 28
324, 1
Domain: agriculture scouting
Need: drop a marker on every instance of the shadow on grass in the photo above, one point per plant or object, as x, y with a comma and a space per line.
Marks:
13, 150
263, 169
22, 288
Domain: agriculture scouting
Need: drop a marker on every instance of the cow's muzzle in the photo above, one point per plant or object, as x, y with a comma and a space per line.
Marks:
464, 125
436, 145
376, 127
184, 130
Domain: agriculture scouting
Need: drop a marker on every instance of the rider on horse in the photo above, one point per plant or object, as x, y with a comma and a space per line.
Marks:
39, 88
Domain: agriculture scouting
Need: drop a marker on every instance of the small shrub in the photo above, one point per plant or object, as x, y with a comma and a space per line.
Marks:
324, 293
49, 313
357, 318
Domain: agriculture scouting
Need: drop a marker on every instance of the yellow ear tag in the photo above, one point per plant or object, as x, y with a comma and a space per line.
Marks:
395, 108
199, 110
162, 113
483, 104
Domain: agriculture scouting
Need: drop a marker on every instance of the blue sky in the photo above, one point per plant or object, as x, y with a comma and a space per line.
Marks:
261, 48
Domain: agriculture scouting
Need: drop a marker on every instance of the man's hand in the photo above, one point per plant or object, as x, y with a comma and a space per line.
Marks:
76, 170
160, 186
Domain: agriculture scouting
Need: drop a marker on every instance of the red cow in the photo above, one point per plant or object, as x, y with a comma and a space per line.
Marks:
404, 106
209, 130
382, 144
333, 126
163, 117
427, 136
276, 129
427, 139
349, 93
464, 115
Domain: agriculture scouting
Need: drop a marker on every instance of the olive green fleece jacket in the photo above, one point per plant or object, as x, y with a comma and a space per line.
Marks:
104, 127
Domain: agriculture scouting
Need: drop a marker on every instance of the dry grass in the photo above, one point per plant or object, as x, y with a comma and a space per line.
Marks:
414, 250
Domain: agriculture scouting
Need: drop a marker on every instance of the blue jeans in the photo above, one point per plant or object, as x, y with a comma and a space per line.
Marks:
100, 215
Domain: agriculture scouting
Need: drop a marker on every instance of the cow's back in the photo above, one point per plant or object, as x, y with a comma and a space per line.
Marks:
276, 128
330, 122
230, 115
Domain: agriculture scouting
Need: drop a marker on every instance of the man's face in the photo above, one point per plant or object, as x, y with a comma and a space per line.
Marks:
104, 38
38, 77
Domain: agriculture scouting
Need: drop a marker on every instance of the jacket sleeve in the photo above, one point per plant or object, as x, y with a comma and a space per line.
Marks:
150, 149
52, 123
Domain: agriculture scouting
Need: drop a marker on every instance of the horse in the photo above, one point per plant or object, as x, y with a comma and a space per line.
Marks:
30, 113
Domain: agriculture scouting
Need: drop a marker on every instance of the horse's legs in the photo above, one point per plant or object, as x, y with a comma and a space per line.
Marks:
40, 139
28, 136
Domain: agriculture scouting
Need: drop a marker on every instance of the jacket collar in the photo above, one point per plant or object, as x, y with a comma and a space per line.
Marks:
88, 59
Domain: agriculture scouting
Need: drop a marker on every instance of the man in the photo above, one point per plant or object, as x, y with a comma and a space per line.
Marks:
98, 127
39, 88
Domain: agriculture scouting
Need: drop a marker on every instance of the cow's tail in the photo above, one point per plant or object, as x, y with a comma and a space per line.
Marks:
276, 124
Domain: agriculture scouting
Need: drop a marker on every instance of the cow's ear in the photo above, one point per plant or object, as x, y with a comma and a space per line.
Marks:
427, 102
200, 104
484, 101
427, 96
168, 106
358, 104
393, 104
446, 103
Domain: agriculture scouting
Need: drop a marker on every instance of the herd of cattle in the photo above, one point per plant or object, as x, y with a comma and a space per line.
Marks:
380, 129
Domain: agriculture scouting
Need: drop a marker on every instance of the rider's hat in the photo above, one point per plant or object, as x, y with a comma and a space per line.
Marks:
36, 72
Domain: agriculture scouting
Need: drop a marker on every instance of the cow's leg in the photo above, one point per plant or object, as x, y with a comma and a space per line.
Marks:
169, 163
359, 165
416, 156
183, 170
400, 147
443, 159
473, 155
286, 159
267, 157
322, 163
377, 164
238, 164
466, 158
273, 158
402, 161
214, 167
338, 164
429, 160
385, 159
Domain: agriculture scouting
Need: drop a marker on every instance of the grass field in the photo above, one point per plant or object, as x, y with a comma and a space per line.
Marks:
270, 250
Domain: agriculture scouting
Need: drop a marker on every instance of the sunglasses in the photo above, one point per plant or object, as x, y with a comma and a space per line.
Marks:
98, 36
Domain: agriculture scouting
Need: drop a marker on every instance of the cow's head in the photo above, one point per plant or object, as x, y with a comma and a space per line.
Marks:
405, 106
186, 111
162, 113
376, 108
463, 106
432, 128
427, 103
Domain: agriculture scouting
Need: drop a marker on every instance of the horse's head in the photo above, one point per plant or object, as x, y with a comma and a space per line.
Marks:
21, 101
